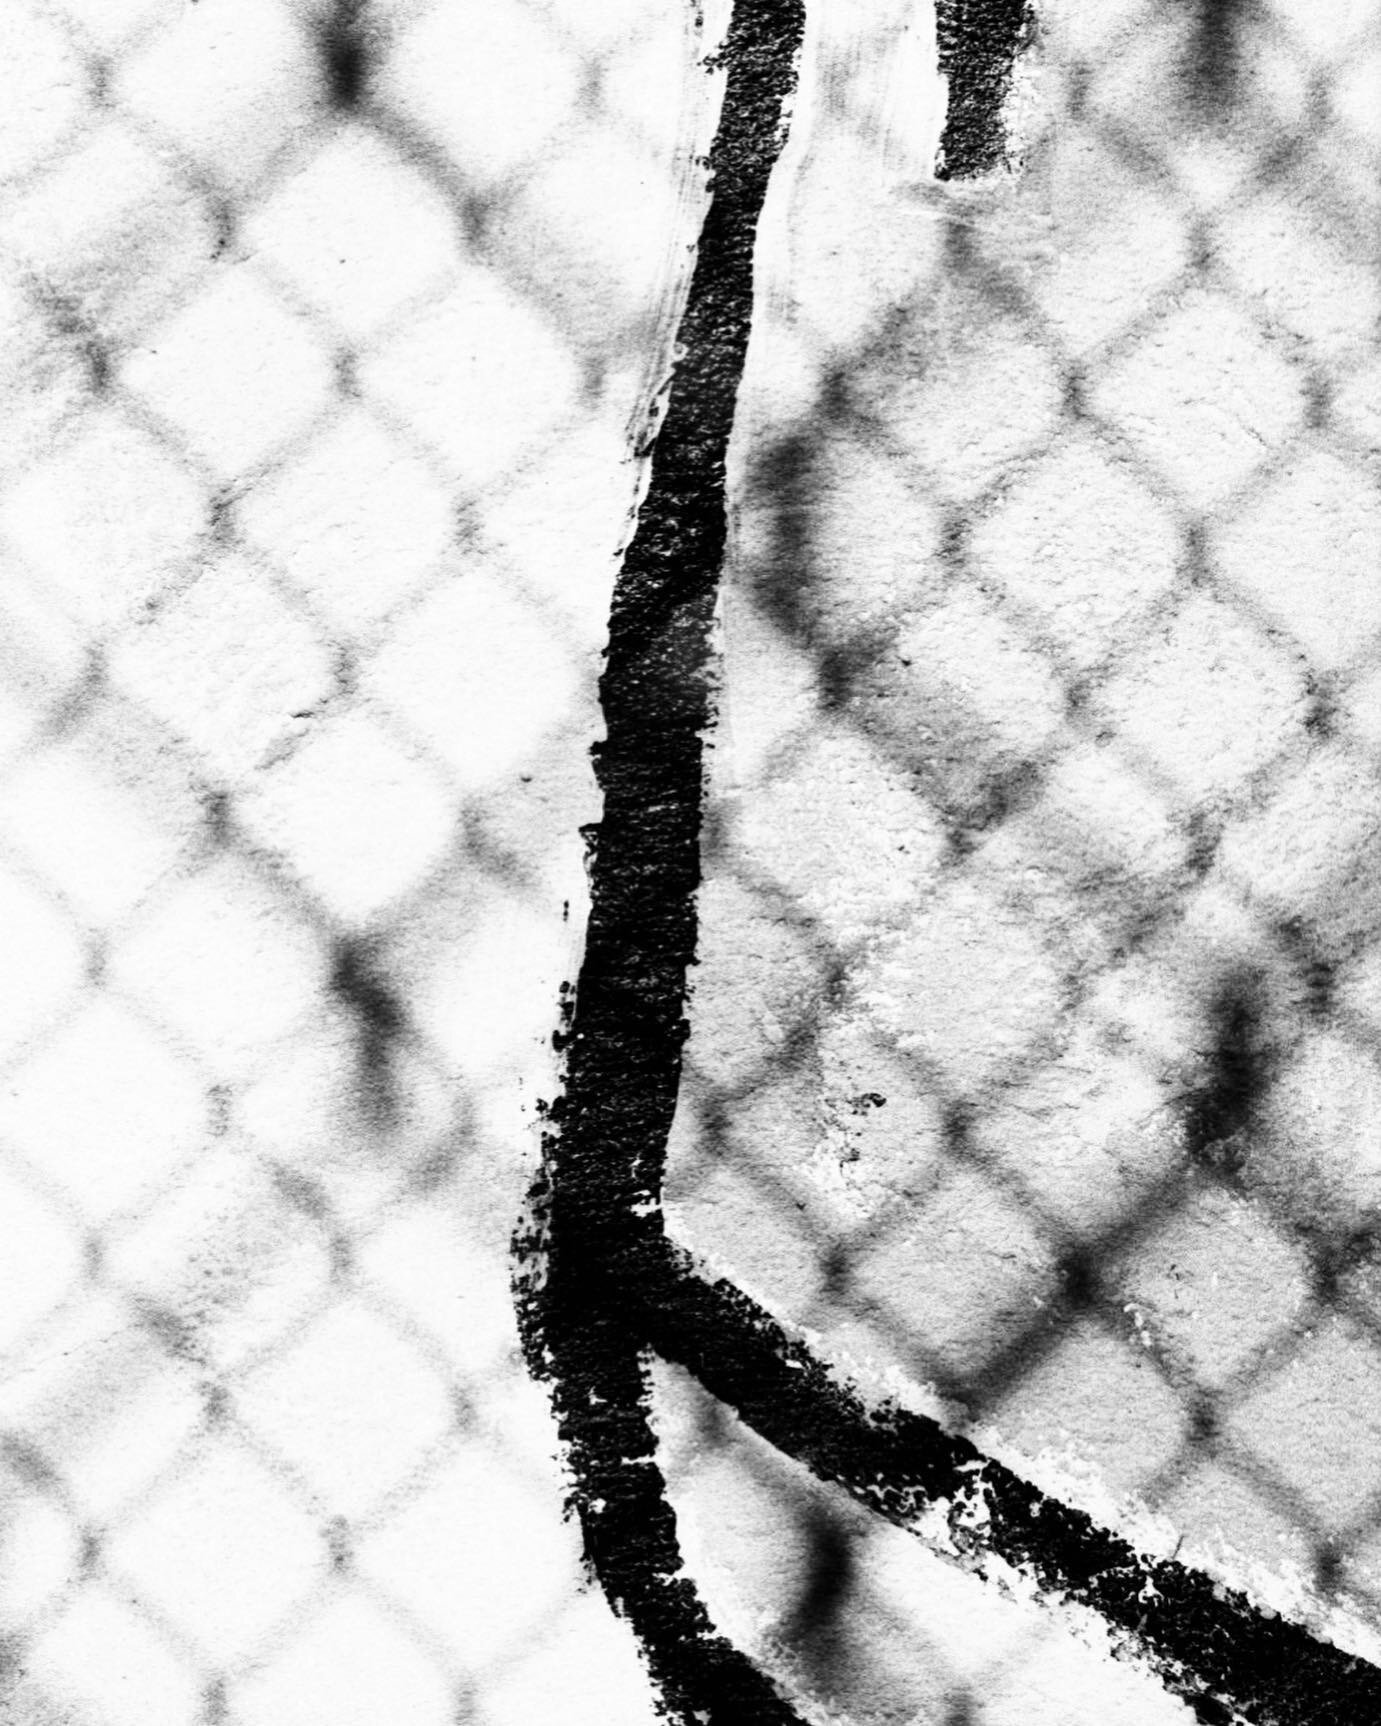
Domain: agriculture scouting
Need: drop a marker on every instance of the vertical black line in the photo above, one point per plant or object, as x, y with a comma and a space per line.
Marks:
978, 41
601, 1284
597, 1209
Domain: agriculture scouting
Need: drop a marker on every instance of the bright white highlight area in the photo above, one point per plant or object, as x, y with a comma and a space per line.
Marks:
1034, 1062
314, 469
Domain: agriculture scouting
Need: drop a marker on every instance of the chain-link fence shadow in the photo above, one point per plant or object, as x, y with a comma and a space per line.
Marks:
314, 465
316, 451
1034, 1044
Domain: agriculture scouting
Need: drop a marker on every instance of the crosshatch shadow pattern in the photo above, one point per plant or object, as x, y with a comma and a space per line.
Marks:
254, 835
1098, 576
308, 394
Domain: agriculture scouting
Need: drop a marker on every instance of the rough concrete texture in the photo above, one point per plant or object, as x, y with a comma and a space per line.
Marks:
1039, 855
314, 463
1033, 1068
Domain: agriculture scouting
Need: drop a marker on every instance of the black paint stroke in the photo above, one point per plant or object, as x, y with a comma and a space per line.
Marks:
1207, 1642
979, 41
597, 1217
599, 1287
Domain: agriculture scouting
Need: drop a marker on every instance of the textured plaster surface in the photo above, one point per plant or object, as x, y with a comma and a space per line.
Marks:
1041, 554
315, 460
333, 339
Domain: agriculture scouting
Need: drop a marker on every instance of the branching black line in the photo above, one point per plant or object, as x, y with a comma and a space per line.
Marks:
979, 41
599, 1287
1209, 1644
597, 1211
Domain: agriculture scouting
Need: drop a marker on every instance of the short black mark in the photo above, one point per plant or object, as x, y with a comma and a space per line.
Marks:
979, 42
597, 1229
600, 1286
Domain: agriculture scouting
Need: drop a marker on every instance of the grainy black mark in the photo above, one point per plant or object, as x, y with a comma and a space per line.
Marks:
597, 1224
599, 1284
221, 516
979, 41
1198, 566
1207, 1641
1321, 716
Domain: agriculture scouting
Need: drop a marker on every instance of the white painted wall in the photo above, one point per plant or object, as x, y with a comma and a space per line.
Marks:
1192, 557
250, 1316
255, 1313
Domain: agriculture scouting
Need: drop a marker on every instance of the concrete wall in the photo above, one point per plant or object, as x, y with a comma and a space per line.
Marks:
1032, 1071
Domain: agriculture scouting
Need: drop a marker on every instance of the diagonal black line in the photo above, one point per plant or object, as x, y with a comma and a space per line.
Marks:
979, 41
598, 1285
1209, 1644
